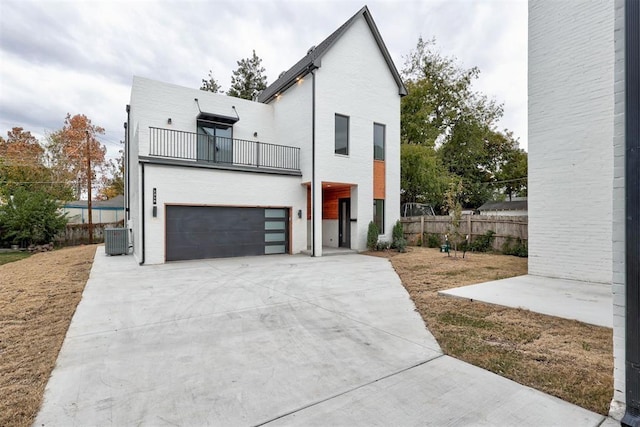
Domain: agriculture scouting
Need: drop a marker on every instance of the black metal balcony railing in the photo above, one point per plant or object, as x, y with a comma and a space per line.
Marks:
177, 144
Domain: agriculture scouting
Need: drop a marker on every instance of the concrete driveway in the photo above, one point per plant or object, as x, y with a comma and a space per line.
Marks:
276, 340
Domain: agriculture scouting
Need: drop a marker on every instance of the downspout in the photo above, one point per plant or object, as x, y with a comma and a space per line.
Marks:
632, 212
142, 215
313, 162
127, 139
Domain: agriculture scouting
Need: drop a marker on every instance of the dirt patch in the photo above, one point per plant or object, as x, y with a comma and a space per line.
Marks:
565, 358
38, 297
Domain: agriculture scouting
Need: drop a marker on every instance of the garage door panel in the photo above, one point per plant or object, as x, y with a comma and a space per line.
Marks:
197, 232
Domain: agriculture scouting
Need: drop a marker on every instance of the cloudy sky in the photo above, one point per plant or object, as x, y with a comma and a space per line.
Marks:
72, 56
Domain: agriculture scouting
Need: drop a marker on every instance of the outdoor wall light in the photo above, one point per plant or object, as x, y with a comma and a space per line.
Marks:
255, 134
299, 213
169, 120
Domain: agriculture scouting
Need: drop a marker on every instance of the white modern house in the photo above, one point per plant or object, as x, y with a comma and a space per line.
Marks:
583, 163
307, 166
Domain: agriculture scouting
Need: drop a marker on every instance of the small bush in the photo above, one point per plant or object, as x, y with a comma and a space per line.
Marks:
483, 243
398, 233
372, 236
401, 245
519, 248
432, 240
382, 245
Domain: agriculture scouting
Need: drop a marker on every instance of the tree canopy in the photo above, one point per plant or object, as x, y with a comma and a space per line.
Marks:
210, 84
248, 80
456, 128
23, 166
28, 217
69, 147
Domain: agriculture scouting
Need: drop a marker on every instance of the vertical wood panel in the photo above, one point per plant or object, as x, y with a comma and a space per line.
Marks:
330, 198
379, 187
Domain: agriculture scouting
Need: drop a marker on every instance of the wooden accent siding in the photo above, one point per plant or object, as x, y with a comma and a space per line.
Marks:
330, 198
308, 202
379, 179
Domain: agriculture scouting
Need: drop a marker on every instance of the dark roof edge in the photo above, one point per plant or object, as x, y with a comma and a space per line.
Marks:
313, 58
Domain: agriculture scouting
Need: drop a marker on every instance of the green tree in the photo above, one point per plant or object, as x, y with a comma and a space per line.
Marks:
30, 217
512, 177
22, 165
452, 201
211, 84
442, 113
440, 95
248, 80
422, 178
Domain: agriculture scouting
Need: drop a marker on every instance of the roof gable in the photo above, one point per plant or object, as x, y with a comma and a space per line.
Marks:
313, 58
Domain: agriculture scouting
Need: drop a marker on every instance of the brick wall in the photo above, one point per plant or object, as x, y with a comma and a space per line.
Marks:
571, 59
618, 286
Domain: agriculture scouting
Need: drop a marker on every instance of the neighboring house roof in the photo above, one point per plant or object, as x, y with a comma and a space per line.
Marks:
314, 55
115, 203
515, 205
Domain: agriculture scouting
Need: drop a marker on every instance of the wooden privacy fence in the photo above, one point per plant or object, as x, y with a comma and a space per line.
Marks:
504, 227
78, 234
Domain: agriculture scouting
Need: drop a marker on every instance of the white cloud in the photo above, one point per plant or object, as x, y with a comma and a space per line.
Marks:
79, 56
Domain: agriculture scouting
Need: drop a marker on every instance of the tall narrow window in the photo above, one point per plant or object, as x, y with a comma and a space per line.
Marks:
378, 141
378, 214
342, 134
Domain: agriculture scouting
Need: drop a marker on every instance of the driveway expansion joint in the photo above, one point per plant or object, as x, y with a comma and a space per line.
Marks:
318, 402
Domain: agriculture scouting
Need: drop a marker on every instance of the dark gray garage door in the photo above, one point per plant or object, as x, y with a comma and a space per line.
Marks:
197, 232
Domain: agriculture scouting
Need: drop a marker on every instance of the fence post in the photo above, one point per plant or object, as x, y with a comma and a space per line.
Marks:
469, 231
422, 228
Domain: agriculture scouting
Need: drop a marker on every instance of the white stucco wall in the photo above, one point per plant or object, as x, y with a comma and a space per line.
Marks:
154, 102
292, 119
571, 59
354, 80
618, 282
214, 188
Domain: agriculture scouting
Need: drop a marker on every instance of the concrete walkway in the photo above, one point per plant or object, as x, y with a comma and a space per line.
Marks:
277, 340
587, 302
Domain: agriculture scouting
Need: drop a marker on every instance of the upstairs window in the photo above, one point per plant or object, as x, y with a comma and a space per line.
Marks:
378, 141
342, 135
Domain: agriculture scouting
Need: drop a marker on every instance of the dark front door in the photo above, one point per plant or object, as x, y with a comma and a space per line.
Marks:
344, 223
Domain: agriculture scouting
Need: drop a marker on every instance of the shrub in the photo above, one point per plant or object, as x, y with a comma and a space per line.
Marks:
372, 236
519, 248
398, 233
432, 240
382, 245
483, 243
401, 245
30, 217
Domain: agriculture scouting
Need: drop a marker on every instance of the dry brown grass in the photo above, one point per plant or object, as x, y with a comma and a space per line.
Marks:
38, 297
565, 358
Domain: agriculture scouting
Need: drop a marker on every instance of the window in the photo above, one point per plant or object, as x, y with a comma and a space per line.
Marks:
378, 214
342, 134
215, 143
378, 141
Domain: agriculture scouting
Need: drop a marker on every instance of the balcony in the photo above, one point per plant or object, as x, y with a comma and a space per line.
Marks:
222, 152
